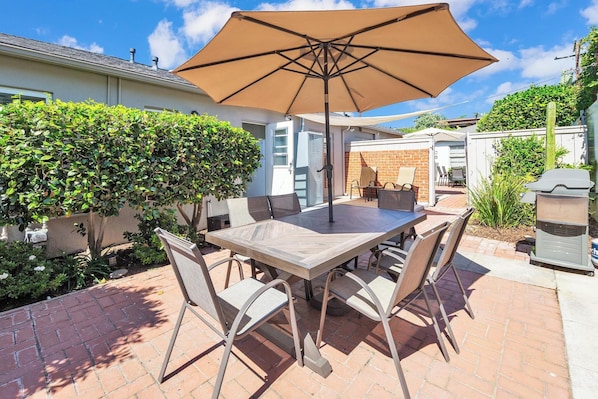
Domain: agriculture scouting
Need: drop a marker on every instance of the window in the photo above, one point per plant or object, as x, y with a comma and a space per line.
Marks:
280, 149
257, 131
8, 93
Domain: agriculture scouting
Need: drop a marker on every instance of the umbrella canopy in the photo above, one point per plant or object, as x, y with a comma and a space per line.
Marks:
298, 62
437, 134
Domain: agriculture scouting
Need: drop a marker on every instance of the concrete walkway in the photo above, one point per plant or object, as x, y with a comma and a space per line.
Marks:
532, 337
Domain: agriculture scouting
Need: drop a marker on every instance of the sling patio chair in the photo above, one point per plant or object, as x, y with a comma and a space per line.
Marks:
367, 179
232, 313
441, 176
405, 178
284, 205
401, 200
242, 211
457, 177
443, 263
380, 298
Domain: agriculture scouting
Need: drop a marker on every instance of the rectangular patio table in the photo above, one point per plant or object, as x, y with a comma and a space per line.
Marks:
307, 245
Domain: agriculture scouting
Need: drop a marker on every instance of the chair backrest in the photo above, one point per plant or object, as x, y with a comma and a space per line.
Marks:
401, 200
457, 173
417, 264
284, 205
192, 274
368, 176
452, 242
247, 210
406, 176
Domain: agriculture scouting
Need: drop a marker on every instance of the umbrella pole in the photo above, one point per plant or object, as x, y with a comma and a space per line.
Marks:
327, 124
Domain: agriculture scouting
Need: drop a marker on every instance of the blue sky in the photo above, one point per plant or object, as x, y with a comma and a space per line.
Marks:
525, 35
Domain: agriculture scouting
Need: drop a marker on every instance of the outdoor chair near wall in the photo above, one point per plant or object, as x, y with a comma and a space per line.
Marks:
284, 205
232, 313
457, 177
367, 178
400, 200
242, 211
445, 175
405, 178
442, 176
380, 298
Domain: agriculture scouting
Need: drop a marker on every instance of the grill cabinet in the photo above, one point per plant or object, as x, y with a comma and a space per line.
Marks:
561, 198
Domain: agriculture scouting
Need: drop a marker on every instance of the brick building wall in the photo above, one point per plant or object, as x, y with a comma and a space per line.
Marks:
388, 159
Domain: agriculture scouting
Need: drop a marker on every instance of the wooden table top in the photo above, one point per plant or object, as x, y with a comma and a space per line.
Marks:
307, 245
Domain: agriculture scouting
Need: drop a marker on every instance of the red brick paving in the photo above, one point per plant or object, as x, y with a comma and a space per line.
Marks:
108, 342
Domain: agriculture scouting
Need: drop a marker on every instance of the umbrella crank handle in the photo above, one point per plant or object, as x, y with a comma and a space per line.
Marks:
328, 170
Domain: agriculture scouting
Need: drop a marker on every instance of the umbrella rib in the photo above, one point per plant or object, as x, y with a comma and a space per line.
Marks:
308, 73
245, 57
422, 52
345, 70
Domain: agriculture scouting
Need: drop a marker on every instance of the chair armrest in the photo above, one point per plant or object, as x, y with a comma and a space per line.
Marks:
369, 291
263, 289
222, 261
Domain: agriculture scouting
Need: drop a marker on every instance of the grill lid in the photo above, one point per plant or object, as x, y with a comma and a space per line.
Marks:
562, 181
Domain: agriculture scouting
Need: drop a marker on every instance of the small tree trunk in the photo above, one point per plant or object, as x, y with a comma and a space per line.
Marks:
95, 239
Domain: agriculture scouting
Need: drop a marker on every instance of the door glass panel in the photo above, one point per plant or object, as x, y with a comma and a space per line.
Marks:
280, 150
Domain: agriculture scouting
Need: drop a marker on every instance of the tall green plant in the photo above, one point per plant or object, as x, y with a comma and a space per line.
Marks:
497, 202
550, 136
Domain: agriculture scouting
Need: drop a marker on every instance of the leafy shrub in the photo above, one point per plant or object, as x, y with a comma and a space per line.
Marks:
26, 272
147, 247
498, 204
83, 270
527, 109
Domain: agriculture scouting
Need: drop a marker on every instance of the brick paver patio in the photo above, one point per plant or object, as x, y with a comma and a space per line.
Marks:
108, 341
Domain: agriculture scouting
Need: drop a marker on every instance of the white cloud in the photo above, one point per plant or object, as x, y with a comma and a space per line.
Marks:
526, 3
538, 63
507, 61
307, 5
70, 41
502, 90
201, 23
165, 45
591, 13
554, 6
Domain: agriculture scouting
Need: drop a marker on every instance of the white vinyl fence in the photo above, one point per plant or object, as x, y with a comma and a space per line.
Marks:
480, 148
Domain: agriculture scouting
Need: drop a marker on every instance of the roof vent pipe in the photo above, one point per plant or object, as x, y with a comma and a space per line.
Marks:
155, 62
132, 57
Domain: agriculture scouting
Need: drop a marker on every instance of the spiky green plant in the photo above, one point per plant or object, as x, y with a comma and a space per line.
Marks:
498, 202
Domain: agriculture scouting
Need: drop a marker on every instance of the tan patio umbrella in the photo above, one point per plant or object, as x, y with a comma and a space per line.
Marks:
298, 62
